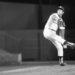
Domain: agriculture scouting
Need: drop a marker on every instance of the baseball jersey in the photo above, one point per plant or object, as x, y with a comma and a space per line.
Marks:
52, 22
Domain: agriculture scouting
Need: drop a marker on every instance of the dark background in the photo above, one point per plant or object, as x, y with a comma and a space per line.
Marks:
22, 23
43, 9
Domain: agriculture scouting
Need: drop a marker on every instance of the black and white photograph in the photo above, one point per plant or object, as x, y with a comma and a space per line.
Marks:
37, 37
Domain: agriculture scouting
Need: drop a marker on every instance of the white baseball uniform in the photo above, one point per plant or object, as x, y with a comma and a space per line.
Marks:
50, 30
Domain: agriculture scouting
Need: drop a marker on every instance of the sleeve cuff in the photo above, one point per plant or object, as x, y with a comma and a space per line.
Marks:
62, 27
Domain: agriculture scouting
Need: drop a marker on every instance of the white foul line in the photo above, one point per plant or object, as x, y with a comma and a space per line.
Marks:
20, 70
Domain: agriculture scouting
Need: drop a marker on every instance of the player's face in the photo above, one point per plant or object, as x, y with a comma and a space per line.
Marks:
60, 12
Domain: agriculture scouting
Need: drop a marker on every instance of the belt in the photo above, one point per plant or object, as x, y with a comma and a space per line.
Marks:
52, 29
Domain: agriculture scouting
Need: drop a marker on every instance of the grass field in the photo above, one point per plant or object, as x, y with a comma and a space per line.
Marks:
39, 68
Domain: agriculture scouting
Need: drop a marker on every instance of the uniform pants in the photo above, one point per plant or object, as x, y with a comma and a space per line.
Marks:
57, 40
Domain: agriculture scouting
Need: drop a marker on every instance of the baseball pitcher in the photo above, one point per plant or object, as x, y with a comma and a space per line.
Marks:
55, 23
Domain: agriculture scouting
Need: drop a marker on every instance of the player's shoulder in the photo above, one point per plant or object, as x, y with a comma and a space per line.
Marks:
54, 15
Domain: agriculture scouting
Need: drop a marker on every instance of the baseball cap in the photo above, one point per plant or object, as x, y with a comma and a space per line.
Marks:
61, 7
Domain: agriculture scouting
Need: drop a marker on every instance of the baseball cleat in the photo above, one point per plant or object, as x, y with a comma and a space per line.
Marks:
72, 45
62, 64
69, 44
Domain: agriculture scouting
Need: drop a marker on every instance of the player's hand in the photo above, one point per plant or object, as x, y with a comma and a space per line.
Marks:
65, 46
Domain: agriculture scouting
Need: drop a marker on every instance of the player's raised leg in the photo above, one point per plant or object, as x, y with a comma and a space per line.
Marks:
69, 44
